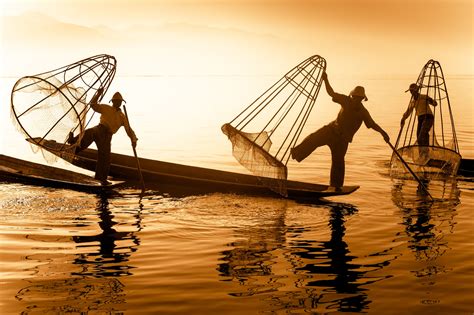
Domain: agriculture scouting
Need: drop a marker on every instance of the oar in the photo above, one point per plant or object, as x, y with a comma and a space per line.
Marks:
136, 156
410, 170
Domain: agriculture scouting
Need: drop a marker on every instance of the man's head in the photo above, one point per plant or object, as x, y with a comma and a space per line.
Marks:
117, 99
358, 93
413, 88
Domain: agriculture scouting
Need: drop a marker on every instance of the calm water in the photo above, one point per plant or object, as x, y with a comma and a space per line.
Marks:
383, 249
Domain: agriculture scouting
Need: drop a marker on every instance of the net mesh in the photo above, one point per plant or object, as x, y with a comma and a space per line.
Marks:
45, 107
251, 150
263, 133
429, 162
440, 156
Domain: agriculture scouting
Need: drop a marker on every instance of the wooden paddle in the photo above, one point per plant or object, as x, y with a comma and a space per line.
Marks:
136, 156
410, 170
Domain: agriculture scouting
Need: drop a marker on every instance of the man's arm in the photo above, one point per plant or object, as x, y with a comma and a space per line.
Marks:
329, 88
94, 105
407, 113
370, 123
382, 132
130, 132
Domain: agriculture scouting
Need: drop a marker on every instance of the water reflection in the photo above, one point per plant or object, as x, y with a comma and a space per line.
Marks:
87, 278
252, 256
426, 223
72, 295
299, 272
111, 259
340, 277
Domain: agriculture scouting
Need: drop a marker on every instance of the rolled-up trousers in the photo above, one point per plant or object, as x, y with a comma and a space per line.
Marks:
102, 137
329, 136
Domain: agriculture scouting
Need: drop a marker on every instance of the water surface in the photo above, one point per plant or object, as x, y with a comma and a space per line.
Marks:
383, 249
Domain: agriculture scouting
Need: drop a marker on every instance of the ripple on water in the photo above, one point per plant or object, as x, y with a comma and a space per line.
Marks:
225, 253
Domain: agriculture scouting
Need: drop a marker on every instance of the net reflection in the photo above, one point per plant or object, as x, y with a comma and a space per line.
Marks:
427, 222
73, 295
85, 278
250, 260
295, 272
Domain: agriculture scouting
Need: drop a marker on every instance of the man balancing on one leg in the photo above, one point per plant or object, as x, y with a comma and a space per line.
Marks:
111, 119
339, 133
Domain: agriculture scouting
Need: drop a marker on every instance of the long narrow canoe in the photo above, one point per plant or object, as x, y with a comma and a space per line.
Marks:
466, 168
33, 173
180, 178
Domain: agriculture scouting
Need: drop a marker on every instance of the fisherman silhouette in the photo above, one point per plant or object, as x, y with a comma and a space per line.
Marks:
420, 102
339, 133
111, 119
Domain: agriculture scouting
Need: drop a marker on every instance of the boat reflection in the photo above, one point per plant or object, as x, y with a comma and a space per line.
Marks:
300, 273
86, 278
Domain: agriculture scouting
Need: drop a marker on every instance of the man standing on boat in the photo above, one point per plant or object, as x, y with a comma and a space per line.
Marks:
420, 103
339, 133
111, 119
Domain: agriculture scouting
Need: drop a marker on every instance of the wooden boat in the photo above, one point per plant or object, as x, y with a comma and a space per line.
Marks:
38, 174
178, 178
466, 169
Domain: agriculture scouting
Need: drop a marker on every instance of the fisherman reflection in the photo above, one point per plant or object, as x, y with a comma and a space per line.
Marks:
263, 265
333, 260
93, 283
424, 218
111, 259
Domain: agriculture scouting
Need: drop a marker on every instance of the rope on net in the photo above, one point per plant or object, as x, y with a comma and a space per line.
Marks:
263, 134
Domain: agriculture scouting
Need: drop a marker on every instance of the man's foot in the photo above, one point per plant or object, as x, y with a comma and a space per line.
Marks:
335, 189
70, 138
105, 182
292, 154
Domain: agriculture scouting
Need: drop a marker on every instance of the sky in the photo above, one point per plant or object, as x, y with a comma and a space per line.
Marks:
238, 37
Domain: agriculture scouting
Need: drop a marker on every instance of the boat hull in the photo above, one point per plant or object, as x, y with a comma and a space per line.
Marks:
178, 178
466, 169
13, 169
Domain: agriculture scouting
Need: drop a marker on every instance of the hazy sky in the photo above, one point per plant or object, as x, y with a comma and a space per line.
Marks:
376, 37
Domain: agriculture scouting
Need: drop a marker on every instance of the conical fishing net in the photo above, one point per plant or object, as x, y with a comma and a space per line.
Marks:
439, 157
45, 107
263, 134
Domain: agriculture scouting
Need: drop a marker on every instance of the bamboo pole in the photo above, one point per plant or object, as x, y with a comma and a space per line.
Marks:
136, 156
410, 170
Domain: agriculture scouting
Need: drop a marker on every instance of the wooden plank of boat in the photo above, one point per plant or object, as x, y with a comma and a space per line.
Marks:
184, 178
466, 168
38, 174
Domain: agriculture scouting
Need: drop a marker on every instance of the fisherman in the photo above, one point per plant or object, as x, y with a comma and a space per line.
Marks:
339, 133
111, 119
420, 102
